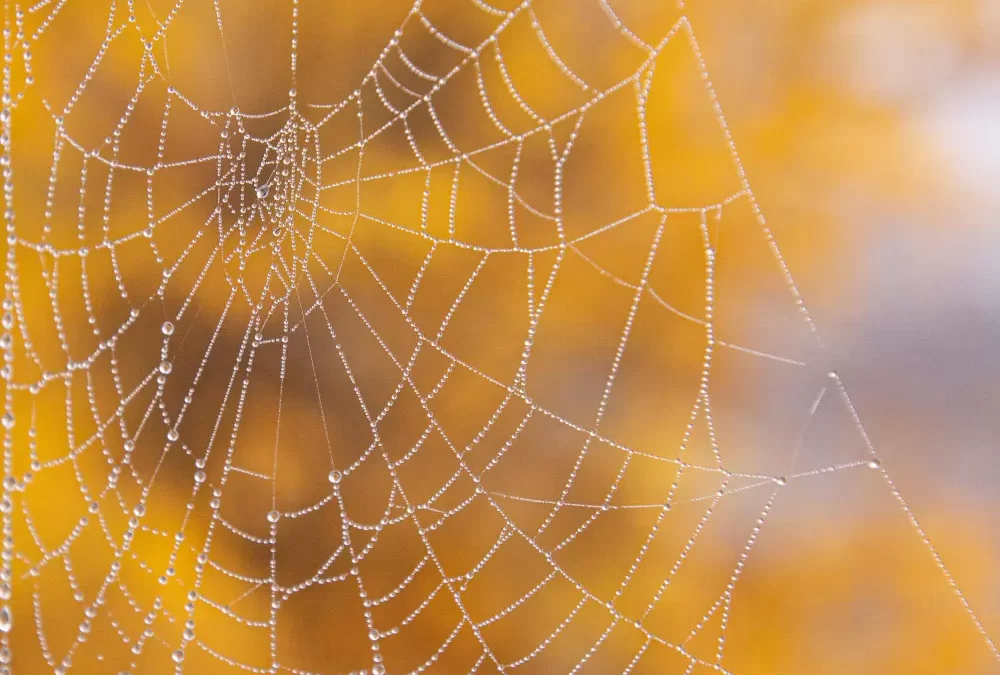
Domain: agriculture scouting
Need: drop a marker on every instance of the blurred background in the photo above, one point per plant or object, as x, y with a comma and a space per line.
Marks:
167, 167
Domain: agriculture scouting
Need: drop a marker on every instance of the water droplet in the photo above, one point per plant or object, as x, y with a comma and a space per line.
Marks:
177, 656
373, 634
272, 516
378, 669
199, 477
166, 367
874, 463
172, 435
167, 328
139, 510
6, 620
335, 476
8, 420
262, 191
781, 480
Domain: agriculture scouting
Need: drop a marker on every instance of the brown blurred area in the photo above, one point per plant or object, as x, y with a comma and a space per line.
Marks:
867, 133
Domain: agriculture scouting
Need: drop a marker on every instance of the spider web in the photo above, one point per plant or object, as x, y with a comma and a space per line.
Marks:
316, 390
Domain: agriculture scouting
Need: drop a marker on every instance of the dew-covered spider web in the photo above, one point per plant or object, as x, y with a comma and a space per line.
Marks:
446, 364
